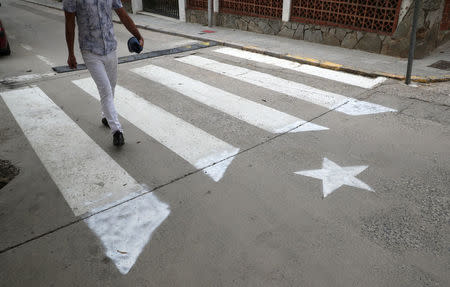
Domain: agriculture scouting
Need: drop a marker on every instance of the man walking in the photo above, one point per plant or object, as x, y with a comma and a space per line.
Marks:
98, 48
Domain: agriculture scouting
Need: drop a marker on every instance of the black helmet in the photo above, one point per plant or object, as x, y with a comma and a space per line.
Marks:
134, 46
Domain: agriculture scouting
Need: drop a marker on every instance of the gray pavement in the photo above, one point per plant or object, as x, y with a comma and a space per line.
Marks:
51, 46
261, 224
356, 60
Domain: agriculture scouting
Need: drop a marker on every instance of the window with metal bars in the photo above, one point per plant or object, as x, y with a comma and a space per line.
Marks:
256, 8
163, 7
379, 16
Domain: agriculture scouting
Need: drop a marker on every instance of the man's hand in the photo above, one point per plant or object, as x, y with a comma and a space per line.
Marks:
129, 24
72, 62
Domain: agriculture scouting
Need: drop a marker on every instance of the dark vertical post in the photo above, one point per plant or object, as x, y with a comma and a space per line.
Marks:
210, 12
412, 45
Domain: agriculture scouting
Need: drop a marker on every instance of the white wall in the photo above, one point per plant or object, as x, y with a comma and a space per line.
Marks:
182, 10
136, 6
286, 10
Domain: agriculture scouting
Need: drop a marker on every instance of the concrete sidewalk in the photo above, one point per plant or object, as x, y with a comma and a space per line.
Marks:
336, 58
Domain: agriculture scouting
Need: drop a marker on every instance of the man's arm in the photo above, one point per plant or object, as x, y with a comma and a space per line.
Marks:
70, 38
129, 24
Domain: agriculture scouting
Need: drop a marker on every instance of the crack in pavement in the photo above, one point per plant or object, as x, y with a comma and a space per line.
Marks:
430, 102
82, 218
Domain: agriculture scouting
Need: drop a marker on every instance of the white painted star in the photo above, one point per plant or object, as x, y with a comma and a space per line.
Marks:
334, 176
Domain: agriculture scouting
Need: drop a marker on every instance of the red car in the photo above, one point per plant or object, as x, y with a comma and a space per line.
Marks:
4, 45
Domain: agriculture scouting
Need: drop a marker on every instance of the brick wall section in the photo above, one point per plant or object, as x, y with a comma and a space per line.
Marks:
445, 24
362, 15
430, 34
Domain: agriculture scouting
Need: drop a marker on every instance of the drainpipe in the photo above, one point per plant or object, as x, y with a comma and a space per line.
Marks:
216, 11
412, 44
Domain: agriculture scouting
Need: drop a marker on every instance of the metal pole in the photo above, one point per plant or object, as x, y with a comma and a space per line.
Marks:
412, 44
210, 12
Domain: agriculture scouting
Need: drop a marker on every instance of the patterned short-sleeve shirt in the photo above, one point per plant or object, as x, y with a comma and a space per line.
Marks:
95, 26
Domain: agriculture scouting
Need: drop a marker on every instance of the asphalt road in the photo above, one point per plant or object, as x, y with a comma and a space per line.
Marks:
238, 170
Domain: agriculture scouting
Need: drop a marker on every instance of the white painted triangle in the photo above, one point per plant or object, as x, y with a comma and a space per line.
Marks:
358, 108
127, 228
217, 171
308, 127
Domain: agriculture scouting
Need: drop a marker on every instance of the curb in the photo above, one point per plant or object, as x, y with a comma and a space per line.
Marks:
294, 58
304, 60
43, 4
147, 55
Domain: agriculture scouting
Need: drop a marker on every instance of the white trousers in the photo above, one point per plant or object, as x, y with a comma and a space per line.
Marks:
103, 70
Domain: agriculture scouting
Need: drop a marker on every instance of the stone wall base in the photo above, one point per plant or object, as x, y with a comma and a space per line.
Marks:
428, 38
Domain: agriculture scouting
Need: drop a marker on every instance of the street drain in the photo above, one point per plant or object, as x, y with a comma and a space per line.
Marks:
7, 172
442, 65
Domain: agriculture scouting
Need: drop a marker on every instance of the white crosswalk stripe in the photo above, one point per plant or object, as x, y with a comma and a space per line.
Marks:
338, 76
119, 210
86, 175
251, 112
88, 178
91, 181
326, 99
196, 146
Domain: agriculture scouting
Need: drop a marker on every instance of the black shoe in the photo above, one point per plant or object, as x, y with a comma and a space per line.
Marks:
105, 122
118, 139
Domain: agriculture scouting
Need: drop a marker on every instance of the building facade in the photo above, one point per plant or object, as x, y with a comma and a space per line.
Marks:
378, 26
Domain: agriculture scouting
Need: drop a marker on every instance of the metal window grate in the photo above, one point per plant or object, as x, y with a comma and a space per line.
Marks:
443, 65
379, 16
197, 4
163, 7
255, 8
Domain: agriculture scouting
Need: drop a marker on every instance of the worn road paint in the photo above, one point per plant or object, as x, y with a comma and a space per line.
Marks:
26, 47
290, 88
86, 175
334, 176
24, 78
88, 178
355, 80
328, 65
248, 111
126, 229
310, 60
355, 108
191, 143
45, 60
